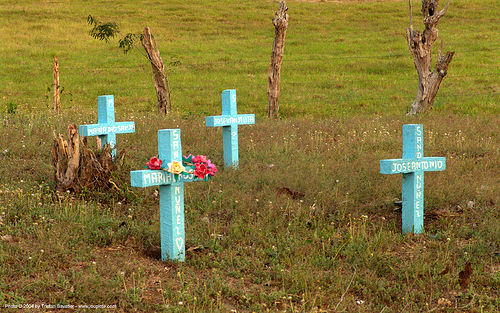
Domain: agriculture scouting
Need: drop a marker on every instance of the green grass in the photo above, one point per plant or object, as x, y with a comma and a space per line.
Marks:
346, 82
340, 58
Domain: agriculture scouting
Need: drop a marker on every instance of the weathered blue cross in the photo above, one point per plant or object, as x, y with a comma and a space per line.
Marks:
412, 165
171, 194
106, 127
229, 120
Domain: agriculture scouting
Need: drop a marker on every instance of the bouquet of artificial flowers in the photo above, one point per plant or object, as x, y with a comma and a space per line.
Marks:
198, 165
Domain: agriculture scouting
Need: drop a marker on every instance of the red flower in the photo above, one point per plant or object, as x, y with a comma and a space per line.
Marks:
201, 170
154, 163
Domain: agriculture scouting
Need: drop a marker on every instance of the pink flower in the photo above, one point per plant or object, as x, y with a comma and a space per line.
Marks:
199, 159
211, 167
201, 170
154, 163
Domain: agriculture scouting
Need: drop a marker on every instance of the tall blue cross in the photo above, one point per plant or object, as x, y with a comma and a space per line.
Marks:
413, 165
171, 194
106, 127
229, 120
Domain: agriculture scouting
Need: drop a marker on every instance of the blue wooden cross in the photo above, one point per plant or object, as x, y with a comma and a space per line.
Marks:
413, 165
106, 127
171, 194
229, 120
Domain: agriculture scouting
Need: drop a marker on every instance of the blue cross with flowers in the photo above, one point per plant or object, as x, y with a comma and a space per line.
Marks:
171, 193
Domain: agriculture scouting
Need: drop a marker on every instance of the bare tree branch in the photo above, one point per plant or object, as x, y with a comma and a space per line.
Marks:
443, 11
161, 83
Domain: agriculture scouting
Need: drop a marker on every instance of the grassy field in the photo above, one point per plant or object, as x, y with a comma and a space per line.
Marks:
346, 57
346, 82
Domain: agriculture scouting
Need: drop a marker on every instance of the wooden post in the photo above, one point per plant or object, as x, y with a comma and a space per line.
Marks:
161, 82
56, 85
420, 46
280, 22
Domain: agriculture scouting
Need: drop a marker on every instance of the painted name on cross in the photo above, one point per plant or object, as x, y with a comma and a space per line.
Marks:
241, 119
149, 178
179, 218
402, 166
128, 127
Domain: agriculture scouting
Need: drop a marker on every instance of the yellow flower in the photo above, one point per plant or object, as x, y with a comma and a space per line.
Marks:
175, 167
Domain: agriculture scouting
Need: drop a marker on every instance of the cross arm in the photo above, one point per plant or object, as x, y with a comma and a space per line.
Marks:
106, 128
396, 166
148, 178
227, 120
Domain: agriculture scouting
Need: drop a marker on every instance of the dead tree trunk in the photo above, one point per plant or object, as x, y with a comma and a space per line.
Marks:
161, 81
57, 98
280, 22
76, 166
420, 46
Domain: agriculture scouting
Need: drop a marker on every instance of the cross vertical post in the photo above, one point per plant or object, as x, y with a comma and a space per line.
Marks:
105, 115
106, 127
229, 120
171, 194
412, 166
230, 133
171, 199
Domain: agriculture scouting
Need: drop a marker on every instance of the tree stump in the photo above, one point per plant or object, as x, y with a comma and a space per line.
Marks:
280, 22
76, 166
420, 46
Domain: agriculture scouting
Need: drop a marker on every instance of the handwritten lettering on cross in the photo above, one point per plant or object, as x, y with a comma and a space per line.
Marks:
412, 166
171, 194
229, 120
106, 127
